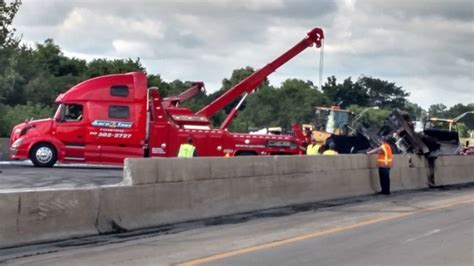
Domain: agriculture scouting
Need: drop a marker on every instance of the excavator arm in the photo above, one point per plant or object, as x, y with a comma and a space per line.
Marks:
455, 120
314, 37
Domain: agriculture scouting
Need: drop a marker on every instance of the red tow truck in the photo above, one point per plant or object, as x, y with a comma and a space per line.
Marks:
106, 119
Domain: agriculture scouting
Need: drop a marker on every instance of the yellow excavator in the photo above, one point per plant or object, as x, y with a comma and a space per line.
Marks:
336, 124
331, 121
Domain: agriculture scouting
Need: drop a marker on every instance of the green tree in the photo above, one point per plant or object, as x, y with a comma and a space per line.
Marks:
8, 46
366, 91
440, 110
44, 87
158, 82
262, 110
298, 99
13, 115
176, 87
293, 102
437, 110
237, 76
102, 66
459, 109
372, 118
463, 130
382, 93
46, 72
195, 103
415, 111
24, 69
49, 57
7, 14
39, 68
346, 93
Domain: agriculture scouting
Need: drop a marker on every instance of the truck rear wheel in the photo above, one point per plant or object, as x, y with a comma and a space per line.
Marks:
43, 155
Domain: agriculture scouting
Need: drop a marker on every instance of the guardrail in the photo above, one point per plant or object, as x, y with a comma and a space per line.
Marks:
161, 191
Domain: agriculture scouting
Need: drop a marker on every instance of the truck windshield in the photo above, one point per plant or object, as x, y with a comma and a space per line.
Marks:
68, 112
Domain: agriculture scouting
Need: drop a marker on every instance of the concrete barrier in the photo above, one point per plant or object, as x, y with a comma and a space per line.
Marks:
4, 149
451, 170
36, 216
160, 191
174, 189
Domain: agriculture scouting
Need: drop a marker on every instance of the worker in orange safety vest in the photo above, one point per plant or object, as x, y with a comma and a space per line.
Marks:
384, 162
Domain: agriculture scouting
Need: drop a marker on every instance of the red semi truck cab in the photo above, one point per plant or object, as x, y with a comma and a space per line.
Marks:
101, 120
109, 118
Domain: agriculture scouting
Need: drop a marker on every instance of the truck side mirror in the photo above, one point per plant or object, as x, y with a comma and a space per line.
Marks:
60, 118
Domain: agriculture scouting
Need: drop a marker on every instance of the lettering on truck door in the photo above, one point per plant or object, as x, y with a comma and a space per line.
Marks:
117, 132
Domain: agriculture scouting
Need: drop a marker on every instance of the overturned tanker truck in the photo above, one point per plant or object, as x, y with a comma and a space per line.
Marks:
431, 142
399, 127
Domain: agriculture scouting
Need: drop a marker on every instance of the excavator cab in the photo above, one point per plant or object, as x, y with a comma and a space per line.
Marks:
333, 124
330, 121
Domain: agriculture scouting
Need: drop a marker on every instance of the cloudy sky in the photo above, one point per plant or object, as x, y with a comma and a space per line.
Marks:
425, 46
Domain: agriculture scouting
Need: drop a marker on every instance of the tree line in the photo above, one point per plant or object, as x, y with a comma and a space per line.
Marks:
31, 77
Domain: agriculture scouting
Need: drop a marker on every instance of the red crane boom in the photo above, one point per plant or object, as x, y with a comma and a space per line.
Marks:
315, 36
174, 101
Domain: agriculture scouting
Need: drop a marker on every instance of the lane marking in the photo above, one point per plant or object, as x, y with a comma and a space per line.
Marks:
432, 232
312, 235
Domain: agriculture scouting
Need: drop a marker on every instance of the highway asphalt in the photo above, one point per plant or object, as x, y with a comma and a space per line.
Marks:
23, 175
439, 237
421, 227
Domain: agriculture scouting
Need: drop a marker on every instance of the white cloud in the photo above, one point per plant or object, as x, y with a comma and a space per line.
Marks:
131, 48
43, 13
439, 90
426, 47
148, 27
252, 5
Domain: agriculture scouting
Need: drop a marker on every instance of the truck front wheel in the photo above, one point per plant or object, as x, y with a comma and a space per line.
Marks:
43, 155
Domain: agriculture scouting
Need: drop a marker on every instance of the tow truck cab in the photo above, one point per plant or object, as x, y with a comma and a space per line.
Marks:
101, 120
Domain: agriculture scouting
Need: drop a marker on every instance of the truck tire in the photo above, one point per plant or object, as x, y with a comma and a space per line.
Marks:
43, 155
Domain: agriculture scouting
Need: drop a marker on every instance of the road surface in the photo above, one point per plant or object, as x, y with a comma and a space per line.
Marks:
424, 227
18, 175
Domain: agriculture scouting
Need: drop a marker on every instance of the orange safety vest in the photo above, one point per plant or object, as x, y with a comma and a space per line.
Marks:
385, 159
